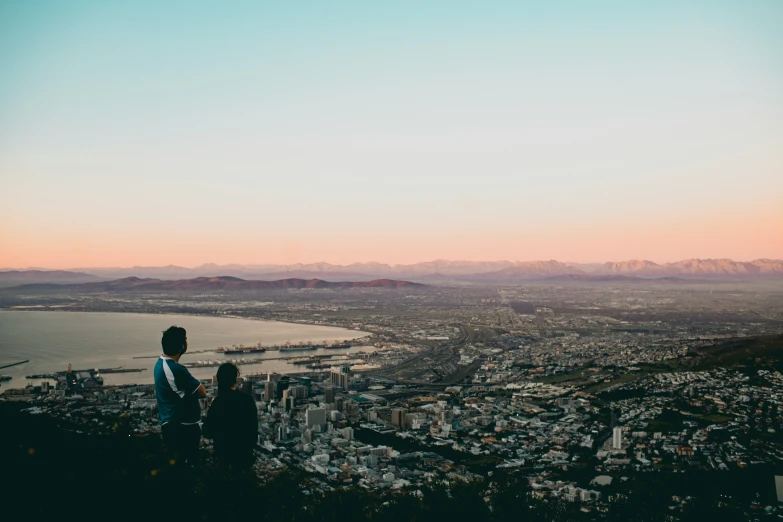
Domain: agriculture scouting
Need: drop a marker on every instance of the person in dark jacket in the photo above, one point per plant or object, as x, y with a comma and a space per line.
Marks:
232, 422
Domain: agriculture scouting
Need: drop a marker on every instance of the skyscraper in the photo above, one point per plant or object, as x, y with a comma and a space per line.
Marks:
300, 392
269, 391
398, 417
340, 378
281, 386
617, 438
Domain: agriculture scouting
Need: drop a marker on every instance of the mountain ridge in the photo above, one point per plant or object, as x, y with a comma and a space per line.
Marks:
200, 284
18, 277
723, 268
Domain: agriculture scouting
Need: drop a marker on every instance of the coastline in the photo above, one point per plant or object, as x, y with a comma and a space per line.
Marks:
43, 308
92, 351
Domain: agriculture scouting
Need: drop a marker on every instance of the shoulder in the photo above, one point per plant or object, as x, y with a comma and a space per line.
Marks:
158, 369
177, 368
171, 363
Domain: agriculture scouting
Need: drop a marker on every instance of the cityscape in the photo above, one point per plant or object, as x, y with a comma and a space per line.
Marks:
581, 389
410, 261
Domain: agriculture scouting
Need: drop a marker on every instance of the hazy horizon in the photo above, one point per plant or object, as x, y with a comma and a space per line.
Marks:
149, 134
370, 262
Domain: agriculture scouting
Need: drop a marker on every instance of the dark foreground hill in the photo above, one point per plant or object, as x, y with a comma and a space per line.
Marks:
206, 284
63, 470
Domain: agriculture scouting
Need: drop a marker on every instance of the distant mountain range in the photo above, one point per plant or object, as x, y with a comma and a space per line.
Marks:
21, 277
204, 284
707, 269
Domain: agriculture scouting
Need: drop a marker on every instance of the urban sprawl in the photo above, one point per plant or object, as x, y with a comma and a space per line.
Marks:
578, 388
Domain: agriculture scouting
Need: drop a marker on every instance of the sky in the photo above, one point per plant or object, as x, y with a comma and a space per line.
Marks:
155, 133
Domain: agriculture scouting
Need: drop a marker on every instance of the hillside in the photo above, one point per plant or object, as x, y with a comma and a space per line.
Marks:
20, 277
202, 284
754, 351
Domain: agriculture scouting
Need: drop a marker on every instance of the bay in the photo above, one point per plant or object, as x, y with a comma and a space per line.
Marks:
52, 340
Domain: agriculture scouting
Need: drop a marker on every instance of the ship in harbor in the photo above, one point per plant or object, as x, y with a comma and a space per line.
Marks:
334, 345
241, 349
288, 347
5, 378
306, 360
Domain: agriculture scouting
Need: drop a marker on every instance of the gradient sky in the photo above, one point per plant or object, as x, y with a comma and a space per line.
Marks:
148, 133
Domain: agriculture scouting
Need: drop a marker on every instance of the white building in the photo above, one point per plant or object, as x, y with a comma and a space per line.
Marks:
617, 438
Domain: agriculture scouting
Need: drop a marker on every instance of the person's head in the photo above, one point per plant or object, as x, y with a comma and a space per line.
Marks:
175, 341
227, 376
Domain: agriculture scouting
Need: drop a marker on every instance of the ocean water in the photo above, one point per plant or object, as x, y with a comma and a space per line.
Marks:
51, 340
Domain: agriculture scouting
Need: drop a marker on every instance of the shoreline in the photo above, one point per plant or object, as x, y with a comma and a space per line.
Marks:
358, 339
217, 316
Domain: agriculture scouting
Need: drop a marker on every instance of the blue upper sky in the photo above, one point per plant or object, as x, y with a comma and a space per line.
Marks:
289, 131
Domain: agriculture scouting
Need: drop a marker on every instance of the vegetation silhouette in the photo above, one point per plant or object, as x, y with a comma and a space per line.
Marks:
51, 470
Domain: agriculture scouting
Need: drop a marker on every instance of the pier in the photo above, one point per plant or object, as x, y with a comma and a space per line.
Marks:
14, 364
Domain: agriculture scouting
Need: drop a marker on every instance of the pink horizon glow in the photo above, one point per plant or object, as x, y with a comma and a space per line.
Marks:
666, 240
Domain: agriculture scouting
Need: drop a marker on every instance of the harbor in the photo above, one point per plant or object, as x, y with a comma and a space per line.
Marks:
312, 362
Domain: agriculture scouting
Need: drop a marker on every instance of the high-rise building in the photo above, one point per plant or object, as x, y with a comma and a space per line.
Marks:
398, 417
281, 386
315, 416
341, 378
290, 402
329, 395
300, 392
269, 391
617, 438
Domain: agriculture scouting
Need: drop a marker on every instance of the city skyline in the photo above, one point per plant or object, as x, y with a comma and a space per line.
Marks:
147, 134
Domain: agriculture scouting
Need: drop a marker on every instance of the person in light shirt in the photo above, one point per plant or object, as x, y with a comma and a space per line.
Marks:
178, 394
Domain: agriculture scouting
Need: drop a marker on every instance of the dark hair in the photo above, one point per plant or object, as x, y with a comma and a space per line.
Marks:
227, 375
174, 341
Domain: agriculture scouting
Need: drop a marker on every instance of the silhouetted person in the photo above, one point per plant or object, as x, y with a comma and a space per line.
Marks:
232, 421
178, 394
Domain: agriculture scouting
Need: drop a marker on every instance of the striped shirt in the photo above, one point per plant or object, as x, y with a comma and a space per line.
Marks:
177, 393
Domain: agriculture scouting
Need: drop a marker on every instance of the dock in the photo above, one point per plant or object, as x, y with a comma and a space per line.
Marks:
14, 364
